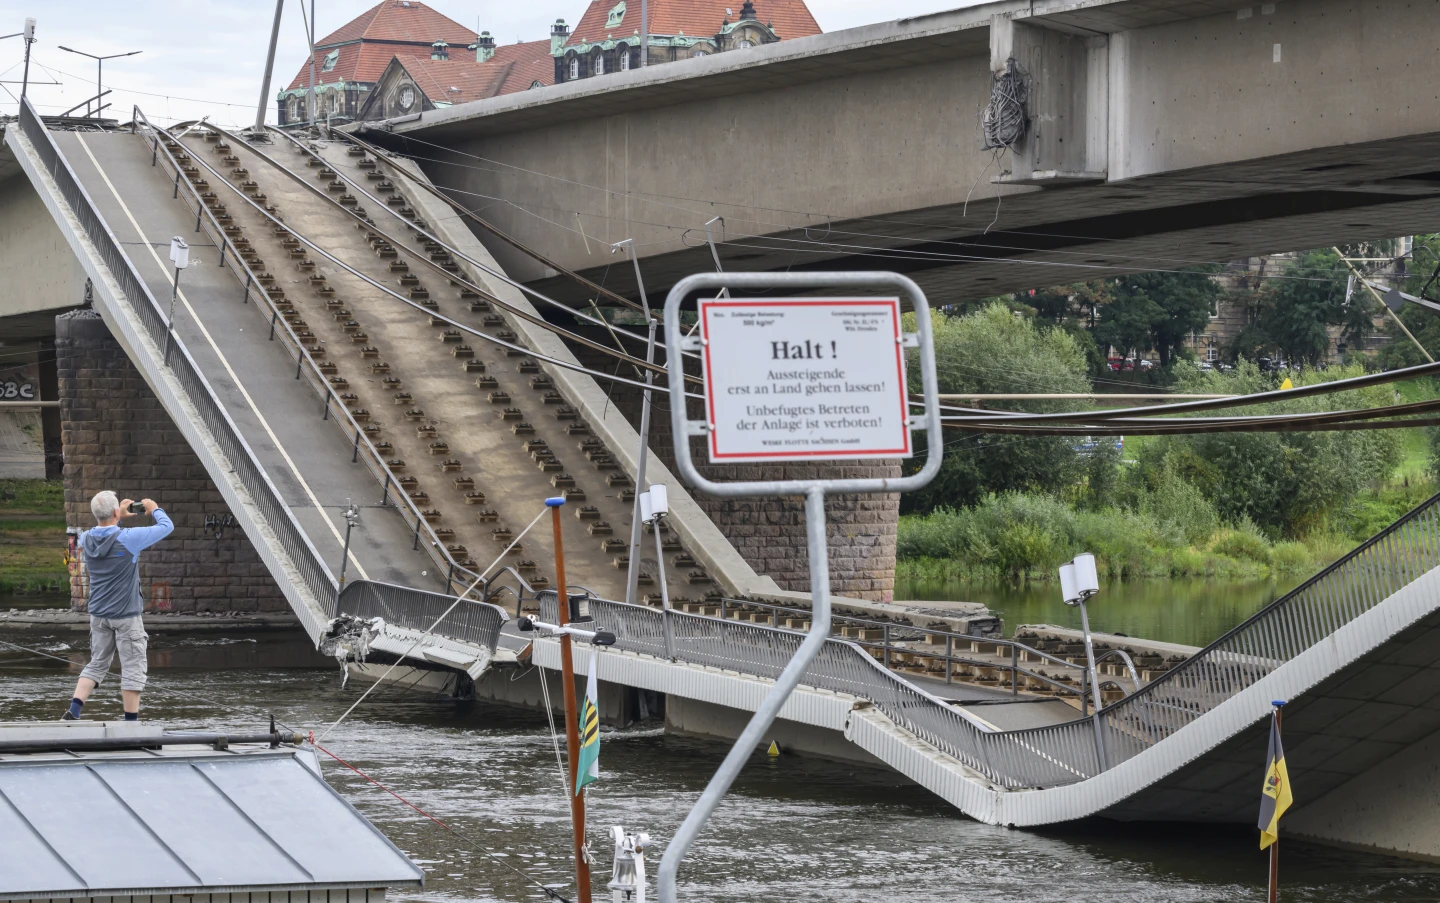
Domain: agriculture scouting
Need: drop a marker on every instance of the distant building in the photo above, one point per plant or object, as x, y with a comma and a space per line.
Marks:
350, 61
607, 38
447, 75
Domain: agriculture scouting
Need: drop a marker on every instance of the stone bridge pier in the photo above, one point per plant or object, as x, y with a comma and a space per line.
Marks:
116, 435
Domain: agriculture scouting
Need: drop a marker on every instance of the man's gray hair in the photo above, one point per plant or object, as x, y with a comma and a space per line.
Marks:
104, 505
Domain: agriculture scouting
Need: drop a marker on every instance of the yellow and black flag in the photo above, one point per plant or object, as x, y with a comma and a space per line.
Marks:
1275, 795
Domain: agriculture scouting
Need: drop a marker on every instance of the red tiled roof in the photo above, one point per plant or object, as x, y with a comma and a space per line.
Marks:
515, 67
383, 31
695, 18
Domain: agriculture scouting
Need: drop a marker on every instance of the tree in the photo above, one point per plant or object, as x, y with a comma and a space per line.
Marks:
1158, 310
994, 351
1300, 306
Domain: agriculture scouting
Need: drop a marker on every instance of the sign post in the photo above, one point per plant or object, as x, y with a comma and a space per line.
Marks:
796, 379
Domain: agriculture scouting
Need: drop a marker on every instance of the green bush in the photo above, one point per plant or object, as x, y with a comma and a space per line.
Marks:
1291, 556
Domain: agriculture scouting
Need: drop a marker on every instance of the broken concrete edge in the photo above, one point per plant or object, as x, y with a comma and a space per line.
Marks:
155, 622
143, 352
702, 538
1128, 643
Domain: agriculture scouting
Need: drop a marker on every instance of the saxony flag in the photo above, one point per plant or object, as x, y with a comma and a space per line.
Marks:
589, 770
1275, 795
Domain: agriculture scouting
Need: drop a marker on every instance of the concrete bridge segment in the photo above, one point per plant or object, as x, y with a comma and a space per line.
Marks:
1161, 134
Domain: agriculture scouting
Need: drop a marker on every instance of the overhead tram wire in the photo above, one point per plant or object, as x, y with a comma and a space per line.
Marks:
537, 320
481, 265
791, 226
410, 303
513, 242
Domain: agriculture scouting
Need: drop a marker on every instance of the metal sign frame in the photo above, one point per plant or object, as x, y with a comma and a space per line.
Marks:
814, 491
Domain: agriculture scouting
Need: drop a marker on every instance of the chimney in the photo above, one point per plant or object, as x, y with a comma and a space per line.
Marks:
484, 48
439, 51
559, 35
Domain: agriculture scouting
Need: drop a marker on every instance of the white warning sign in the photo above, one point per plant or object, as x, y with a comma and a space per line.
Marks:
795, 379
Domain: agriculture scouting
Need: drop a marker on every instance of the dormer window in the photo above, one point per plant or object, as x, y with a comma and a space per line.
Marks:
599, 64
617, 14
745, 44
331, 59
574, 67
623, 52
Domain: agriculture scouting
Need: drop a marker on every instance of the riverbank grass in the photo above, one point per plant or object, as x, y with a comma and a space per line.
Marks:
32, 537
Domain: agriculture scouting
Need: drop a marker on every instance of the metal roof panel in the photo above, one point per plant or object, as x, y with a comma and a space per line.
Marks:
104, 824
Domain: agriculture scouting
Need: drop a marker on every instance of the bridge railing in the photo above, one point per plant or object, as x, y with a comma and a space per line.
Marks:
142, 304
473, 622
1298, 621
1070, 752
332, 407
842, 667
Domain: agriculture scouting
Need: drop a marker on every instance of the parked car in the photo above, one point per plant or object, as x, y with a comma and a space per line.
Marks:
1091, 444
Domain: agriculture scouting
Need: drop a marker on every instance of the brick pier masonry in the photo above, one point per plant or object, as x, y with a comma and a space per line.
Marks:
770, 533
117, 436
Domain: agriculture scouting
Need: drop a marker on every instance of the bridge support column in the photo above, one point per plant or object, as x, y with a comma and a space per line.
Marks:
770, 533
1066, 77
117, 436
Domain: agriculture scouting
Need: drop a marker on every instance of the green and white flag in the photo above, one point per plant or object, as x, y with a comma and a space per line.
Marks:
589, 770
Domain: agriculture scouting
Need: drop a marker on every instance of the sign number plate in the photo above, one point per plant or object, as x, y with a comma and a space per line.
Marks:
797, 379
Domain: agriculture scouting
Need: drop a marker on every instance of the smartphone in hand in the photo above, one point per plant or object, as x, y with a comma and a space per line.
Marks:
137, 507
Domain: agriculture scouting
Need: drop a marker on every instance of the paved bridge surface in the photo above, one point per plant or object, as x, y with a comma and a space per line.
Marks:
1354, 649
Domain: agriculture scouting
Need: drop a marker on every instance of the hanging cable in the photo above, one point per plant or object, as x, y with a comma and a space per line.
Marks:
474, 844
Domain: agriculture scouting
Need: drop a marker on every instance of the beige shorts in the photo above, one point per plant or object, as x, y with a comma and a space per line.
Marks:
126, 635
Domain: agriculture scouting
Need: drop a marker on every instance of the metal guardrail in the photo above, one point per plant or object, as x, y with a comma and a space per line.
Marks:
473, 622
137, 296
1304, 617
364, 451
888, 649
1064, 753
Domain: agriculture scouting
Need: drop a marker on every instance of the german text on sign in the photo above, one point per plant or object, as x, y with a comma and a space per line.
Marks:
792, 379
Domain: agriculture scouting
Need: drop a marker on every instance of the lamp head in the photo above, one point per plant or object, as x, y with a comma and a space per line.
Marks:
30, 29
1068, 592
1087, 579
179, 253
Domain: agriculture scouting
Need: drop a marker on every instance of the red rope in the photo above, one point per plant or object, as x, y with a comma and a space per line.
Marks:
380, 785
549, 892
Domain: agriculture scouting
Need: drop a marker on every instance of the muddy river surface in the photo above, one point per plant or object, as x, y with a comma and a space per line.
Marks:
793, 829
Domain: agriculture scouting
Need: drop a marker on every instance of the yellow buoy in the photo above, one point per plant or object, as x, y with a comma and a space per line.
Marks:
774, 749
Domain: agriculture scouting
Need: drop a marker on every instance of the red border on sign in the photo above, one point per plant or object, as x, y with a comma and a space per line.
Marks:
892, 303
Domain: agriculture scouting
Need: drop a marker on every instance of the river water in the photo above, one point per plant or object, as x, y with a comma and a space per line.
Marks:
1193, 612
793, 829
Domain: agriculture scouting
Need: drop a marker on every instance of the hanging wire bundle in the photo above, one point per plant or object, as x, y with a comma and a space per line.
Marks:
1004, 120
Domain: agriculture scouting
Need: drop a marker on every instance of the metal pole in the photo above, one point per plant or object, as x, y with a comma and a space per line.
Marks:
310, 34
345, 555
170, 326
1376, 295
99, 65
644, 33
572, 711
1275, 847
28, 38
765, 715
714, 254
269, 67
1094, 686
664, 592
632, 576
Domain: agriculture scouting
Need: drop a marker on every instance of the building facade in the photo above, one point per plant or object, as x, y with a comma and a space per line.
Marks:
350, 60
607, 38
448, 75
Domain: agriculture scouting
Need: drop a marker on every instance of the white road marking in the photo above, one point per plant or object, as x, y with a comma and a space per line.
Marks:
149, 246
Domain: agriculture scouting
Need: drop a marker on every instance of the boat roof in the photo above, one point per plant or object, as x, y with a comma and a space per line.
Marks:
179, 820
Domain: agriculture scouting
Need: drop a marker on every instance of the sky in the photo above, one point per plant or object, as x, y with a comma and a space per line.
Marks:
207, 57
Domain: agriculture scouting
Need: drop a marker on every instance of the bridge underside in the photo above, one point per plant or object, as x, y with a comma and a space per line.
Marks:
1161, 135
1355, 724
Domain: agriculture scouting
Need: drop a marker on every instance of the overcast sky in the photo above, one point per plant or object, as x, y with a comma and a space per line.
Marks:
206, 57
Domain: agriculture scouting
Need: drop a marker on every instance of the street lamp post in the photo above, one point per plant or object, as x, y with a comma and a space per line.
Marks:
654, 506
1078, 582
99, 65
352, 517
29, 35
180, 256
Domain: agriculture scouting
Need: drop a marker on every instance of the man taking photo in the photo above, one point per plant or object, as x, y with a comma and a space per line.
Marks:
112, 558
